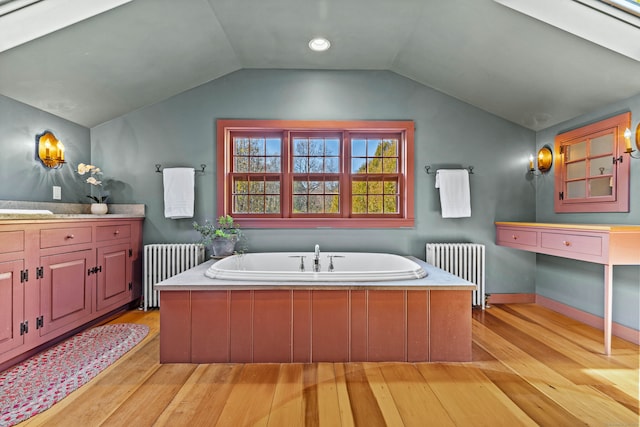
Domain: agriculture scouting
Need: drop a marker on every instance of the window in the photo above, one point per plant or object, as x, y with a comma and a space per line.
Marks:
592, 171
288, 174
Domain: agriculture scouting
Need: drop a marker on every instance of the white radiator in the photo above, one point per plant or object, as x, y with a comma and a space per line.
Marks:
162, 261
465, 260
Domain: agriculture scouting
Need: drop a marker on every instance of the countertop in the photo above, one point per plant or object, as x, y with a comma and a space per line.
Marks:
195, 280
66, 211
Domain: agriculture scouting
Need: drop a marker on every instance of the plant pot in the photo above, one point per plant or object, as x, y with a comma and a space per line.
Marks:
99, 208
222, 246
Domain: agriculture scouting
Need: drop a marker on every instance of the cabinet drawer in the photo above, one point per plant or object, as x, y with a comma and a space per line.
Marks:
53, 237
11, 241
113, 232
575, 243
515, 236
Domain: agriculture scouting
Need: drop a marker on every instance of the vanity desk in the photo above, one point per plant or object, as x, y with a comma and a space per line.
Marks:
599, 243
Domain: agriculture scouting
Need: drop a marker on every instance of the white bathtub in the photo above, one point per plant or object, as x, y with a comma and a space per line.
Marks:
285, 267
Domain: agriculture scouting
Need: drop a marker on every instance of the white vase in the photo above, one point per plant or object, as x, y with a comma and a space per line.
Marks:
99, 208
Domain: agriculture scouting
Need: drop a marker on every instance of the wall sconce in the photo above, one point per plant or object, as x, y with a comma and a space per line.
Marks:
545, 160
627, 142
50, 150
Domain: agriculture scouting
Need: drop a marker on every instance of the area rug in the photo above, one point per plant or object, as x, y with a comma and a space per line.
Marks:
37, 383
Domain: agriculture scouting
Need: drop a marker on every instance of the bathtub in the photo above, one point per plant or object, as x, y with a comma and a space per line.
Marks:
286, 267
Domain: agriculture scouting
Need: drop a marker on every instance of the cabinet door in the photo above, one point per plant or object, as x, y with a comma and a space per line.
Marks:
11, 305
114, 276
66, 289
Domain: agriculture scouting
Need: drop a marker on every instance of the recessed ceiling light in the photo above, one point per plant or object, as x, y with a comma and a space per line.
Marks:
319, 44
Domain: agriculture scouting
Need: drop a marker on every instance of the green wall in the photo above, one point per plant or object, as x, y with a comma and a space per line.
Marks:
180, 132
22, 176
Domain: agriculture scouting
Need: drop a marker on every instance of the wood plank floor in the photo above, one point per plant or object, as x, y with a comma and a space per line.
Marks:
530, 367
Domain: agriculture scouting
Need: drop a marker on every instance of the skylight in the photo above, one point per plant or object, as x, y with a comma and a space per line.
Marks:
24, 20
614, 24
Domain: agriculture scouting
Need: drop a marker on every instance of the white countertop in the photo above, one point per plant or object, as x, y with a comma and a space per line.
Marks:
194, 280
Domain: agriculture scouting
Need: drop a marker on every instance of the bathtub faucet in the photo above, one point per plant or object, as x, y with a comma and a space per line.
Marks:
316, 259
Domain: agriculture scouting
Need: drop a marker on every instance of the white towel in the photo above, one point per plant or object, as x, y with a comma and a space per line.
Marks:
455, 197
179, 192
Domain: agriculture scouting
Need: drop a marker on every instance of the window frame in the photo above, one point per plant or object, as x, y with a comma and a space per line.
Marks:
225, 128
618, 201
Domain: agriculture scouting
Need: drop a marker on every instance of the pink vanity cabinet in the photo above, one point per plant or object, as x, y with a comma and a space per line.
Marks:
59, 275
599, 243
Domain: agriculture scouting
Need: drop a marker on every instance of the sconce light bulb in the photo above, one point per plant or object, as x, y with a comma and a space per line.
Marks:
531, 162
627, 133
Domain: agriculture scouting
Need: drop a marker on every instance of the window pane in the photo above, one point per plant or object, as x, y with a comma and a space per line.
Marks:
358, 166
241, 146
300, 147
374, 187
274, 147
315, 187
300, 165
241, 186
390, 187
602, 145
391, 204
241, 164
600, 187
390, 147
600, 166
374, 147
332, 147
359, 204
332, 187
316, 147
390, 165
316, 164
241, 204
576, 190
272, 187
374, 204
316, 204
359, 187
256, 164
374, 165
300, 187
358, 148
256, 146
332, 204
273, 164
300, 204
256, 187
576, 151
332, 165
272, 204
256, 204
576, 170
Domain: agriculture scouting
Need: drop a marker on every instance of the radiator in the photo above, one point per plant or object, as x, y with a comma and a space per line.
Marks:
465, 260
162, 261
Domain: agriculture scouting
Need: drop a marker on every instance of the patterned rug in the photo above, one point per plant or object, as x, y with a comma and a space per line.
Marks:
37, 383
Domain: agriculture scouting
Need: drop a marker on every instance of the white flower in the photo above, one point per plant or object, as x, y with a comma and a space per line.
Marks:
91, 180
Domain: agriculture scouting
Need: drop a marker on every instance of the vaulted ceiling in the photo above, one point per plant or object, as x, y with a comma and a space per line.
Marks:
479, 51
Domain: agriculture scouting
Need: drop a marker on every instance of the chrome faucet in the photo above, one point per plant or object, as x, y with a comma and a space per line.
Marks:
316, 260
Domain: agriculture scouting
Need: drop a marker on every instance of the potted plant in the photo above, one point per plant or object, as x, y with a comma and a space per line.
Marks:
221, 235
100, 205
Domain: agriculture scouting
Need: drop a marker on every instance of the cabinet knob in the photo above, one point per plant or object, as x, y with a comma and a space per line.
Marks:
70, 236
116, 232
515, 237
566, 243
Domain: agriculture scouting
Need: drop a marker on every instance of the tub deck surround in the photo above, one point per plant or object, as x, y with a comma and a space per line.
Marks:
605, 244
205, 320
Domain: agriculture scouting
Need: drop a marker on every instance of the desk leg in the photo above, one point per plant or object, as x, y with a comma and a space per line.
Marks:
608, 296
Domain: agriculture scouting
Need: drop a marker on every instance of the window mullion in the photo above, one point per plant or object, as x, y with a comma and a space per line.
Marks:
287, 176
345, 176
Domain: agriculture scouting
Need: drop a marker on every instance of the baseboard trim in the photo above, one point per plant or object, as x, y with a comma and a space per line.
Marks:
618, 330
511, 298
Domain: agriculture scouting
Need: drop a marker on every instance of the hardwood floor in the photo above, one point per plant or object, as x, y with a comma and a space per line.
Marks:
530, 366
